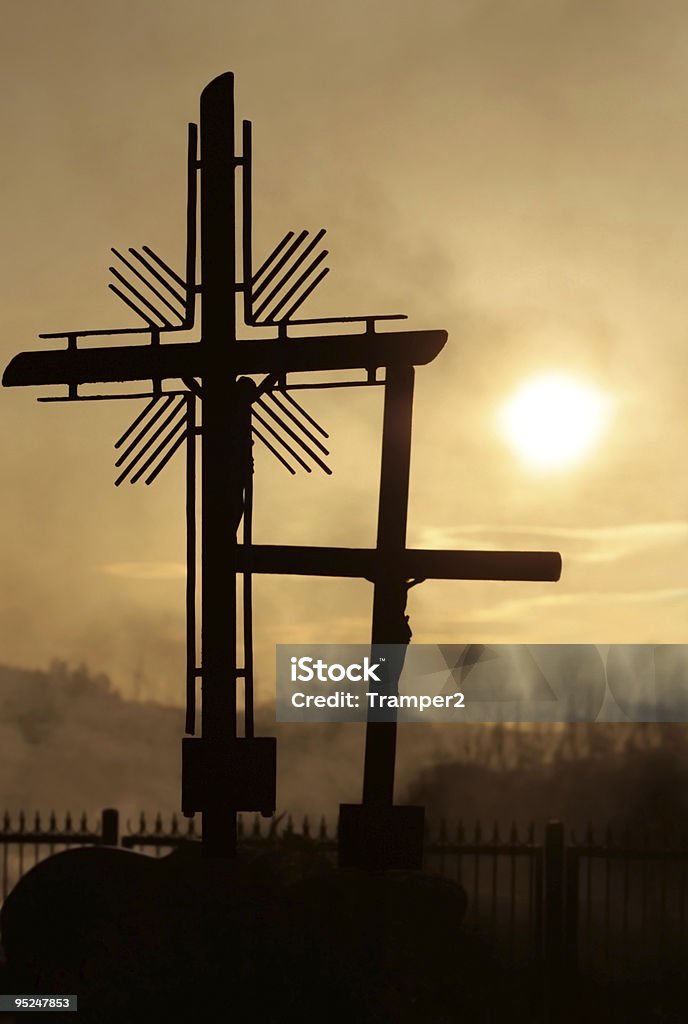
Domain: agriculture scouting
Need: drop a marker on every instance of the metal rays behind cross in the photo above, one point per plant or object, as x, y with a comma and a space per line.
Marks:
244, 388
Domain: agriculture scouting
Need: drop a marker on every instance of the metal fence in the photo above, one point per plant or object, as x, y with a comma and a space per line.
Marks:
625, 903
598, 904
503, 877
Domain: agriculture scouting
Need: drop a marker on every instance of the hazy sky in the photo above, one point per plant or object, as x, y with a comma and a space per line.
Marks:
513, 171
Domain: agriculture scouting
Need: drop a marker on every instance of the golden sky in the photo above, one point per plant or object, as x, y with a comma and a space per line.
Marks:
513, 172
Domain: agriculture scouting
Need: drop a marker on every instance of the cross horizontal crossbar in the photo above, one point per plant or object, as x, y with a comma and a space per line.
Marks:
362, 563
174, 360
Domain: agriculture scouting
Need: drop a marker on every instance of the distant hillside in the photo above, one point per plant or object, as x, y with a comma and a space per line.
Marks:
69, 741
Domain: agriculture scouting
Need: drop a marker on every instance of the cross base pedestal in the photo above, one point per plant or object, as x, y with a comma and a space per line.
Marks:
238, 774
381, 837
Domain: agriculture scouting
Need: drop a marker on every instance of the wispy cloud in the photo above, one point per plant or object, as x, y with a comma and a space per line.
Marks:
145, 570
582, 544
515, 609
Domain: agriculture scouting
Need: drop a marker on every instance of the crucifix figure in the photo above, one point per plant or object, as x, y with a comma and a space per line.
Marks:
219, 394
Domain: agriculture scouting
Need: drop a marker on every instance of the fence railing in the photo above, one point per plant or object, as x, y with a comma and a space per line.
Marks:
593, 903
625, 902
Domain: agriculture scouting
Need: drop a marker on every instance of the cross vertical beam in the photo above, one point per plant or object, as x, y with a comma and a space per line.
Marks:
381, 737
219, 481
191, 557
376, 834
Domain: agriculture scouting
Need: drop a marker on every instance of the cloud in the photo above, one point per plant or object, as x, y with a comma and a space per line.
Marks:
145, 570
516, 609
582, 544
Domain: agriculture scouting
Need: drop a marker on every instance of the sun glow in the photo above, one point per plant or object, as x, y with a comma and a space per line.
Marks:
554, 420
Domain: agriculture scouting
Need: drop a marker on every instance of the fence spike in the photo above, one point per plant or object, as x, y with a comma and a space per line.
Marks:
495, 833
478, 832
306, 828
6, 822
590, 835
322, 831
174, 825
274, 822
531, 833
158, 824
256, 826
289, 830
37, 822
22, 821
83, 823
191, 827
460, 833
513, 835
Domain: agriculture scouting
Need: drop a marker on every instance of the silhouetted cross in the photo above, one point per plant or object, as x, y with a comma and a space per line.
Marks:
224, 773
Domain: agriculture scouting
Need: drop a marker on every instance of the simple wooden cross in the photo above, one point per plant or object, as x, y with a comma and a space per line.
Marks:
224, 773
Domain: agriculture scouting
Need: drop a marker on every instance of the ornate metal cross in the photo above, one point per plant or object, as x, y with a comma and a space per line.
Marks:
243, 390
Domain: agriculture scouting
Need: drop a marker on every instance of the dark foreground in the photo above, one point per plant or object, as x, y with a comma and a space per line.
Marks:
139, 939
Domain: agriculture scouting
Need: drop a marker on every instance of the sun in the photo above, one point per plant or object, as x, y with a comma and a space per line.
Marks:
554, 420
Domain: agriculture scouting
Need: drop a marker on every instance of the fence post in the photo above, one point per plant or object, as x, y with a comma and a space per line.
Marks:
554, 897
572, 868
110, 827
